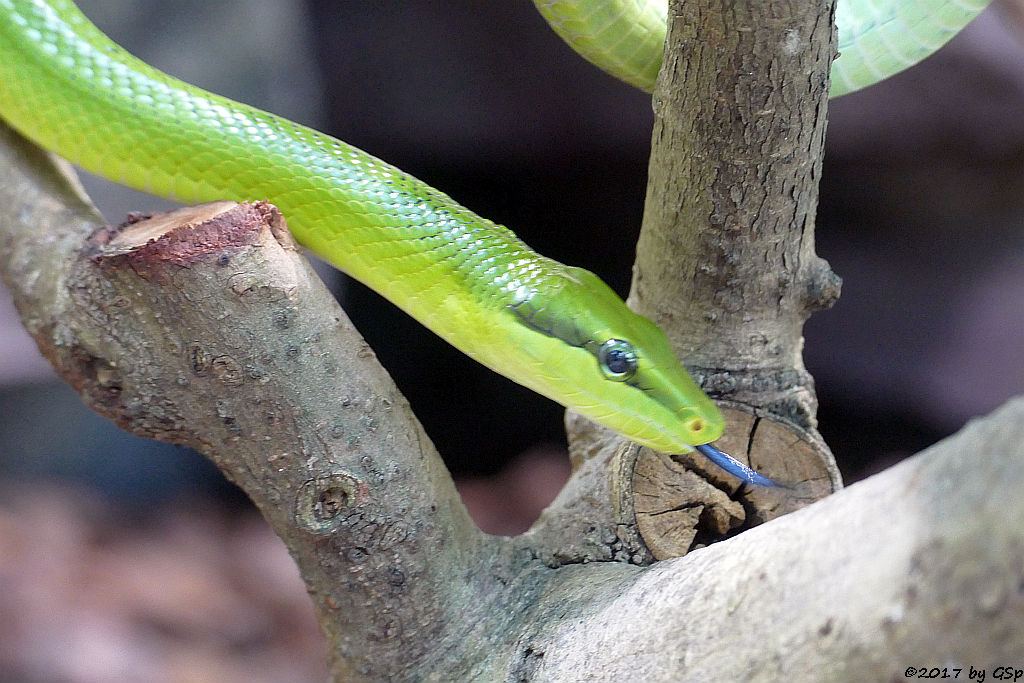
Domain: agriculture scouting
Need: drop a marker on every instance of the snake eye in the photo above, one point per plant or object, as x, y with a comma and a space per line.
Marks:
617, 359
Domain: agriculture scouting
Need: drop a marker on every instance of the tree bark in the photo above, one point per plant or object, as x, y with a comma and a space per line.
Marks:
741, 107
206, 327
920, 567
726, 266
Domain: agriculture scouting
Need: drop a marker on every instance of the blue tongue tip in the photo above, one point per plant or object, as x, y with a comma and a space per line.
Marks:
734, 466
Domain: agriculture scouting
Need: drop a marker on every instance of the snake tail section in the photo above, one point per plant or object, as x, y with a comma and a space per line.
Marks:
877, 38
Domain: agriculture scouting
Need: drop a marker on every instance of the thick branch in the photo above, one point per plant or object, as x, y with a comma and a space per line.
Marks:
726, 261
922, 565
207, 328
726, 266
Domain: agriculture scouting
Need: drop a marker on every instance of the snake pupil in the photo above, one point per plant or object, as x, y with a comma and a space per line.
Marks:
617, 362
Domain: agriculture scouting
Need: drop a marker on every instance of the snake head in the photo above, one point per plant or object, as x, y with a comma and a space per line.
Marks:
613, 365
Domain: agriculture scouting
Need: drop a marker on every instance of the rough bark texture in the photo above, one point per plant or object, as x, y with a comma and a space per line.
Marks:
921, 566
732, 191
207, 328
726, 266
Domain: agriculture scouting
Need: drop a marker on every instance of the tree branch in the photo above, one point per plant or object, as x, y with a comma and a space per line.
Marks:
726, 266
919, 566
726, 262
206, 327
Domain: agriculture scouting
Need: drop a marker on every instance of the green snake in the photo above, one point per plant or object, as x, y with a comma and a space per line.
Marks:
554, 328
877, 38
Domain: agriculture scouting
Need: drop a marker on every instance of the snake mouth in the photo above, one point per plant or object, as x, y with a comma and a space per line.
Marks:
734, 466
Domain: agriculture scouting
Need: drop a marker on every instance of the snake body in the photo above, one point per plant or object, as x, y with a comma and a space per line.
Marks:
877, 38
556, 329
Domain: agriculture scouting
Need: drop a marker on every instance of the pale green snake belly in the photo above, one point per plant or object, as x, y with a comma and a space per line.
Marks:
553, 328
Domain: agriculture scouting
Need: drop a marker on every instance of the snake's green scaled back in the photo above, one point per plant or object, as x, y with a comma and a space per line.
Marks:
555, 329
